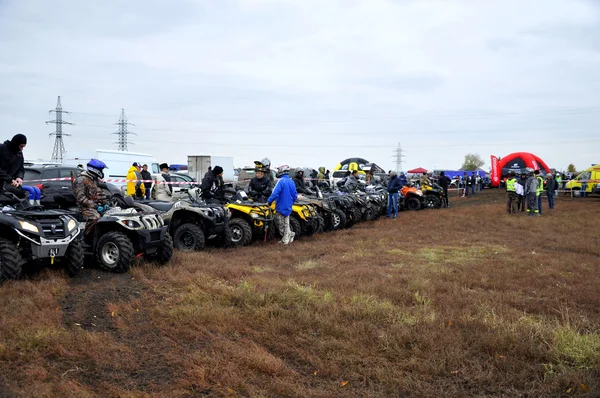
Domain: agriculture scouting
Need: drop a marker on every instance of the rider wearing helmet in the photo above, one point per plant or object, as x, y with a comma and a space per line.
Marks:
261, 186
284, 195
300, 184
88, 194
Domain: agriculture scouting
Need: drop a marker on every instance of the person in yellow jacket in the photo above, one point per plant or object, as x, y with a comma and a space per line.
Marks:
511, 192
137, 190
540, 189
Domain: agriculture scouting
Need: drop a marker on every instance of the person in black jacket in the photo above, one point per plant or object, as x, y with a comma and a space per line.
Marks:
212, 185
260, 187
444, 182
300, 184
11, 165
393, 188
147, 177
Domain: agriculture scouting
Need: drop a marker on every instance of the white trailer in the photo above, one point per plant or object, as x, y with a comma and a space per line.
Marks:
118, 162
198, 166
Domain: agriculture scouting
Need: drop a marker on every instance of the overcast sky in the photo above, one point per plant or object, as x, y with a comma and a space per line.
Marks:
308, 82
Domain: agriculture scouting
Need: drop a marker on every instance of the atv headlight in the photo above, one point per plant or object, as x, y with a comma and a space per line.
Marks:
71, 225
26, 225
132, 224
254, 215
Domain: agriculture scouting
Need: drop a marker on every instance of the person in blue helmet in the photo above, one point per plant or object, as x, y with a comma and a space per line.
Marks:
284, 195
89, 196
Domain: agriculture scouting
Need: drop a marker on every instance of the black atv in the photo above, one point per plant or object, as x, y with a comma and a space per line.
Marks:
192, 222
121, 235
32, 234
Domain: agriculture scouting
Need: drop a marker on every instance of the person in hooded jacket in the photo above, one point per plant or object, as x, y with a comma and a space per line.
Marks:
284, 195
11, 165
137, 190
260, 187
300, 183
212, 185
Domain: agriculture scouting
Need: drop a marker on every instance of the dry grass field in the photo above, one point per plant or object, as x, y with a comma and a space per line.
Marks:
458, 302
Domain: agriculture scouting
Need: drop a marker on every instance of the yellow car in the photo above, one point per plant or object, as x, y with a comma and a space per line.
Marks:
591, 176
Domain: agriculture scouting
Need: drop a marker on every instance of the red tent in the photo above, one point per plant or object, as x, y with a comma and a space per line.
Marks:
419, 170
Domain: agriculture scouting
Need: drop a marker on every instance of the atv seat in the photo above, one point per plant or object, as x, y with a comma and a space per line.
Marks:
158, 205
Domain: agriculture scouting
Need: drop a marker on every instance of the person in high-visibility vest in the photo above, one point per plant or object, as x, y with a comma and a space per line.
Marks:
540, 190
511, 192
558, 183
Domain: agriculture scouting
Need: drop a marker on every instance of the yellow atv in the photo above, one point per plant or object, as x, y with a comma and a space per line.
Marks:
304, 219
248, 219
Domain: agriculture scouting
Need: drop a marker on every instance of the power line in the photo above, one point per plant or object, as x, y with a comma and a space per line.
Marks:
557, 112
59, 147
123, 132
342, 133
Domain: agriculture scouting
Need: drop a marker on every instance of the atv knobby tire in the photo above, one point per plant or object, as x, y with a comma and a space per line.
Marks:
339, 219
413, 204
10, 261
114, 252
74, 258
241, 233
165, 251
295, 227
320, 224
188, 238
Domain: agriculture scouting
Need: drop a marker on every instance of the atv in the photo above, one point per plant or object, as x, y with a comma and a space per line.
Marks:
248, 219
191, 222
32, 234
411, 198
332, 217
433, 195
120, 235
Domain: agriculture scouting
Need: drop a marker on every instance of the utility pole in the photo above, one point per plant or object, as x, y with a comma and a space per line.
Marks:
398, 156
59, 147
123, 132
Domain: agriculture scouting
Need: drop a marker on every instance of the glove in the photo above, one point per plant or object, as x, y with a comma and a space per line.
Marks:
100, 209
106, 207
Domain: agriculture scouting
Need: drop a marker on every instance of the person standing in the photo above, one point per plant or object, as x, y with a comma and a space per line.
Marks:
465, 181
162, 189
284, 195
531, 188
207, 173
444, 182
135, 187
520, 190
540, 189
147, 177
550, 188
393, 188
473, 182
352, 181
558, 184
511, 193
12, 167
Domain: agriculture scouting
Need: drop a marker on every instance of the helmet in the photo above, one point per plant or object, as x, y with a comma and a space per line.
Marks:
283, 169
266, 163
529, 170
95, 167
299, 171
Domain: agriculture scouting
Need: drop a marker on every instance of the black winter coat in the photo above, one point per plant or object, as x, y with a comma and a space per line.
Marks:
212, 187
11, 164
260, 188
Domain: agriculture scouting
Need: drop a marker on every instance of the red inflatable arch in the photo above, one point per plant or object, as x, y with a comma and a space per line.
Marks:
517, 162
